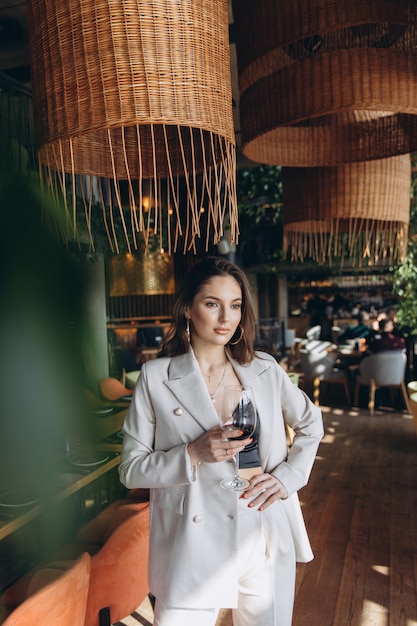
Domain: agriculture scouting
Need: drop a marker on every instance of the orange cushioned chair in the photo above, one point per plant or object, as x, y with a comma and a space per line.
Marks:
119, 571
62, 602
99, 529
113, 390
90, 538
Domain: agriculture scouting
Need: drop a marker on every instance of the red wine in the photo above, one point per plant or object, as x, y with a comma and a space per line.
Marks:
247, 432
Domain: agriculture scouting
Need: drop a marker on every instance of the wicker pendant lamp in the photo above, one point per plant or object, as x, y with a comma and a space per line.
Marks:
132, 100
356, 212
324, 82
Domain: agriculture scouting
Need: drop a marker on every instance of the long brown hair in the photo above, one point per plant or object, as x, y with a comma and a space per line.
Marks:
241, 346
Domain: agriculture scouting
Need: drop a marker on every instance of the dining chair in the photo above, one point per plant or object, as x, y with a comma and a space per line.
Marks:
313, 332
318, 366
130, 379
384, 369
119, 572
317, 345
412, 386
113, 390
413, 407
55, 598
97, 530
336, 331
118, 581
412, 392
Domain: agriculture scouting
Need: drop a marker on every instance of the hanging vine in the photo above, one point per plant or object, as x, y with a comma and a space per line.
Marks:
260, 215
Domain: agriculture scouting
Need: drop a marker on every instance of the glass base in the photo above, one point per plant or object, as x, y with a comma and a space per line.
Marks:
236, 483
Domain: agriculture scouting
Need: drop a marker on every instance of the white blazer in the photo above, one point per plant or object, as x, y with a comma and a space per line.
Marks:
194, 533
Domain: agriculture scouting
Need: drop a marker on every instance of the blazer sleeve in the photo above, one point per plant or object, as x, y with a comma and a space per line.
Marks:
305, 419
140, 464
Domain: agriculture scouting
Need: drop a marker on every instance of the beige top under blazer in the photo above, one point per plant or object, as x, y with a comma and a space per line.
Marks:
194, 522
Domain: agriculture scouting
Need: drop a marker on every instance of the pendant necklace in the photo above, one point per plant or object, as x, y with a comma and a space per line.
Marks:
212, 394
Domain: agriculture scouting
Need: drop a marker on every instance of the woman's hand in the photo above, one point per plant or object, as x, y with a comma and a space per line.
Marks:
265, 489
216, 445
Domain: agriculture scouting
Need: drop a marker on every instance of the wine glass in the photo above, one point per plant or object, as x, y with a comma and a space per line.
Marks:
237, 411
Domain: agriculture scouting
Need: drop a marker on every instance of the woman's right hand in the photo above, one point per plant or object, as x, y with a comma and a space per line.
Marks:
216, 445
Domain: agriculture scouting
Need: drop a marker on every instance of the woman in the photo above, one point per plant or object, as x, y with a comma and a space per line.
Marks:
209, 547
385, 339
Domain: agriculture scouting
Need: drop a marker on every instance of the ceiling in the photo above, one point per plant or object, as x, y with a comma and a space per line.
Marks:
14, 52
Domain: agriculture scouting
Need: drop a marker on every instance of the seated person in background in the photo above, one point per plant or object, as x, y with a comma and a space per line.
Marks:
391, 313
374, 323
359, 330
385, 338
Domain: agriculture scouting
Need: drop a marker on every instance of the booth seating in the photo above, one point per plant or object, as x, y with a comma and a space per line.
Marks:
61, 601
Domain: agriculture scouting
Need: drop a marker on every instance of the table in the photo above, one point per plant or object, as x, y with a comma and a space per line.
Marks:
68, 484
105, 426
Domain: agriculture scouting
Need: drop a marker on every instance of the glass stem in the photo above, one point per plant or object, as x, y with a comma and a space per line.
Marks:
236, 462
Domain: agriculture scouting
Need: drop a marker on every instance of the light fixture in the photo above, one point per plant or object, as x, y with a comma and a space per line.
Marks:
324, 82
134, 93
355, 212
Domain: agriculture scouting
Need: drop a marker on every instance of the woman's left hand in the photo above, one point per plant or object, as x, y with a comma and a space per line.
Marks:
265, 489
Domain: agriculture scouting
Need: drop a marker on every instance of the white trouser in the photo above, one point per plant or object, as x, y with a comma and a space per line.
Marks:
262, 601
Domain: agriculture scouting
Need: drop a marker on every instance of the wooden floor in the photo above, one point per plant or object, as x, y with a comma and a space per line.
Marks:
360, 508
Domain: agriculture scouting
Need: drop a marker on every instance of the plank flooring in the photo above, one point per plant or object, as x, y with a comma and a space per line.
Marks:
360, 508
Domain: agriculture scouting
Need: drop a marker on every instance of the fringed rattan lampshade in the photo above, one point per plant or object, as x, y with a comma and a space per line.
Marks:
134, 91
324, 82
355, 212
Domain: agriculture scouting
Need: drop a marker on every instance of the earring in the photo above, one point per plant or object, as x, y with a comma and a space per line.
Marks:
187, 328
234, 343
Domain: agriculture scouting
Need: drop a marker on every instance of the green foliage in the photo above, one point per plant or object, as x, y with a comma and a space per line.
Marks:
101, 243
405, 276
260, 215
260, 191
42, 313
405, 286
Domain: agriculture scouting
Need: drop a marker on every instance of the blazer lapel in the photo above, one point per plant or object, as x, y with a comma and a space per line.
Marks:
248, 373
186, 383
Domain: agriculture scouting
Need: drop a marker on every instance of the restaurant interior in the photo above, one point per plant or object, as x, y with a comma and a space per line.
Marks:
137, 138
